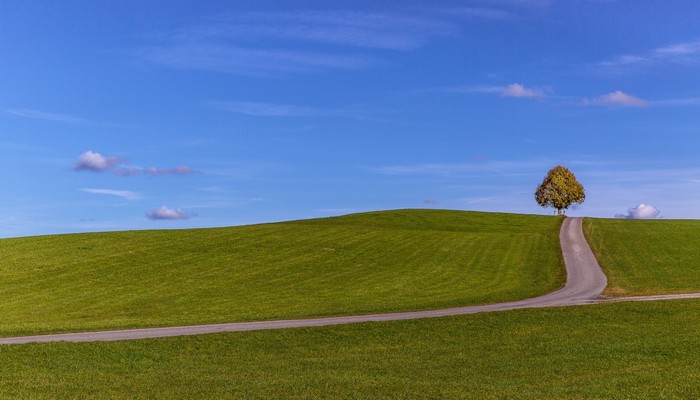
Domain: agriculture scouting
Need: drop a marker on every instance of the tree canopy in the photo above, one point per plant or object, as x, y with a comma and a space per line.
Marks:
560, 190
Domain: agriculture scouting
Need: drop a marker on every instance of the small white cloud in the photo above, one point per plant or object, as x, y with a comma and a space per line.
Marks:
164, 212
616, 98
518, 90
641, 211
92, 161
125, 194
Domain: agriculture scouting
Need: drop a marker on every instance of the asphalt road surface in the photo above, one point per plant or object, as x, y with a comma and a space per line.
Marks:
584, 283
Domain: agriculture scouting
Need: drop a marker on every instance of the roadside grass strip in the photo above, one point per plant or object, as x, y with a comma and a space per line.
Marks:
646, 257
377, 262
604, 351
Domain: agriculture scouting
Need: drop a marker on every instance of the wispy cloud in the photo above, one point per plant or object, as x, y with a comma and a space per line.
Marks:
261, 62
263, 44
285, 110
458, 169
179, 170
688, 101
678, 52
341, 28
266, 109
167, 213
687, 53
480, 12
616, 99
125, 194
36, 114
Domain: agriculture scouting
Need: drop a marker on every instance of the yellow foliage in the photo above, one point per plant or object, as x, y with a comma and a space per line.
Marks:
560, 190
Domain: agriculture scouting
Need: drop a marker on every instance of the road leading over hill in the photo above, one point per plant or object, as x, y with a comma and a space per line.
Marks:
585, 282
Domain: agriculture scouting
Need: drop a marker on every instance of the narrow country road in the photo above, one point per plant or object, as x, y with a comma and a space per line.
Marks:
584, 283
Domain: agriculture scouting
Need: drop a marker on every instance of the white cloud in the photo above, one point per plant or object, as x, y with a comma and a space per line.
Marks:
92, 161
616, 99
167, 213
687, 53
125, 194
640, 211
518, 90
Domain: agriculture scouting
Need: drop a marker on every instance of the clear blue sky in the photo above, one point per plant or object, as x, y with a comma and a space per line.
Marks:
173, 114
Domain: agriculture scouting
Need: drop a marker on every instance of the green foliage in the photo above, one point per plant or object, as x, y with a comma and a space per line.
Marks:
610, 351
362, 263
645, 256
560, 190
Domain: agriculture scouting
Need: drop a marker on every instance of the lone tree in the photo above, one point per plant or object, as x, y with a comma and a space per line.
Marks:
560, 190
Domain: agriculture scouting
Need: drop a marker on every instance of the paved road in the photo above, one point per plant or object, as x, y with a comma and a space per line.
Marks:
584, 284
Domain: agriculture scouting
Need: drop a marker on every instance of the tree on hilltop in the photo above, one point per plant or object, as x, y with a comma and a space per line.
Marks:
560, 190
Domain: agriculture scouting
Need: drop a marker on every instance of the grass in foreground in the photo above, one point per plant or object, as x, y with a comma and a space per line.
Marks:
646, 257
609, 351
363, 263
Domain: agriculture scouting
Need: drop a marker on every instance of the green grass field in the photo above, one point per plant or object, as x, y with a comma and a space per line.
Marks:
608, 351
363, 263
372, 262
646, 257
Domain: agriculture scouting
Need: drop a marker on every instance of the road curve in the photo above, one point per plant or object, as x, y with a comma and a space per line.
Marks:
584, 283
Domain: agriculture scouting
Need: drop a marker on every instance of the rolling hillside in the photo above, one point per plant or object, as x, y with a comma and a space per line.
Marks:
643, 257
362, 263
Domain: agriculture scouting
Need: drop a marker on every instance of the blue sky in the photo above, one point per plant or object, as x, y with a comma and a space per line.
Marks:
150, 115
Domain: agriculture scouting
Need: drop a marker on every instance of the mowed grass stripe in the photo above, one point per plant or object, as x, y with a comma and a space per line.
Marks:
643, 257
364, 263
606, 351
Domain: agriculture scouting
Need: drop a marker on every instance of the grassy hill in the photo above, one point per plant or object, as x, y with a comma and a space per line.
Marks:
372, 262
362, 263
646, 257
607, 351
